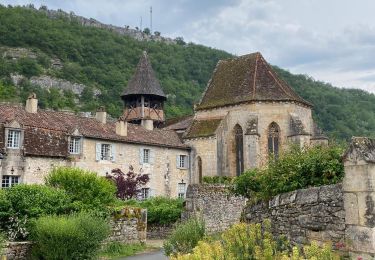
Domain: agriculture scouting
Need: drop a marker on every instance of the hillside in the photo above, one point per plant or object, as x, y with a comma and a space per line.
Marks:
76, 67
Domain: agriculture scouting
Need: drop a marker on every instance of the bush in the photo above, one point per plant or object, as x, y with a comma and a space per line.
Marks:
77, 236
37, 200
217, 179
160, 210
243, 241
117, 249
295, 169
87, 190
21, 203
185, 237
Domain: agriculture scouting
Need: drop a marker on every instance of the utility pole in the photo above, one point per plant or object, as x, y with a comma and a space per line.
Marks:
140, 27
151, 20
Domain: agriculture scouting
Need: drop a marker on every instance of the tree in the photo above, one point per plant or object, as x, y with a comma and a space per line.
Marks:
129, 184
147, 31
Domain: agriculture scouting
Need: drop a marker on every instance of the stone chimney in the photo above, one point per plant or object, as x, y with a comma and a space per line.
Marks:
148, 124
32, 104
121, 127
101, 115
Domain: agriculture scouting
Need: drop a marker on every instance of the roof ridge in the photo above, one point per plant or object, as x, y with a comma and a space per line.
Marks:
270, 70
255, 72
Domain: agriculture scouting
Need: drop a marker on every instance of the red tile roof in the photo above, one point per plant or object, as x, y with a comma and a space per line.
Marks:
89, 127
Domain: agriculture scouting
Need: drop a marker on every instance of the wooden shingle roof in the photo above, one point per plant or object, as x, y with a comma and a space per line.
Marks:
144, 81
245, 79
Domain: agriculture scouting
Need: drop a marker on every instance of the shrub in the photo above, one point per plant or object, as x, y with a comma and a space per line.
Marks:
87, 190
77, 236
217, 179
128, 185
295, 169
185, 237
243, 241
37, 200
21, 203
116, 249
160, 210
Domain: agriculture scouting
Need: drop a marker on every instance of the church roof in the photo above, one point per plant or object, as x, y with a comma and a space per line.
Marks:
245, 79
144, 81
203, 128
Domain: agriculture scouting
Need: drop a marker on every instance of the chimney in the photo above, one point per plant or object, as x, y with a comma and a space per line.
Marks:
32, 104
101, 115
121, 127
148, 124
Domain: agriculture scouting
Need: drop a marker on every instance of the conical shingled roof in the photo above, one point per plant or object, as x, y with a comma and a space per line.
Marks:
245, 79
144, 81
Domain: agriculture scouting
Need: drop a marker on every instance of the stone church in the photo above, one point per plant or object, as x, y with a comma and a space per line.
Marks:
247, 114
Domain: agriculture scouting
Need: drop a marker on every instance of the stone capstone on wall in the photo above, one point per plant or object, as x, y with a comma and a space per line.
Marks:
314, 214
214, 203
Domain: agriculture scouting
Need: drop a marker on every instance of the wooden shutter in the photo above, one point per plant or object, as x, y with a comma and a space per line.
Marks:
113, 152
151, 156
178, 161
98, 151
141, 156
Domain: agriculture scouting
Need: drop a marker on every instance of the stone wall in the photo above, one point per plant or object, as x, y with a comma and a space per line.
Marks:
18, 250
304, 215
129, 226
359, 198
213, 202
159, 231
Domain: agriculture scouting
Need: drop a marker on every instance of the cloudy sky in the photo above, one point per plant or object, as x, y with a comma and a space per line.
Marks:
330, 40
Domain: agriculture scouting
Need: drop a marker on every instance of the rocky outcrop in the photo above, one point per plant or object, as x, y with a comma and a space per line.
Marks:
48, 82
127, 31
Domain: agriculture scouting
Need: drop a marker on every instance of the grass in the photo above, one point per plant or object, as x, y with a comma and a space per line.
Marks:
114, 250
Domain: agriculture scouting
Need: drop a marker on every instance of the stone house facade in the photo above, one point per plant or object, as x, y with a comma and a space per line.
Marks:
33, 141
247, 114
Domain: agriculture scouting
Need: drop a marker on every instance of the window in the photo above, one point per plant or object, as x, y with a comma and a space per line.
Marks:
75, 145
182, 162
273, 140
14, 137
146, 155
145, 193
9, 181
105, 153
181, 190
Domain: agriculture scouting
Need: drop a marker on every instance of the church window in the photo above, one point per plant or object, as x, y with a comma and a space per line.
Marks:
238, 136
273, 140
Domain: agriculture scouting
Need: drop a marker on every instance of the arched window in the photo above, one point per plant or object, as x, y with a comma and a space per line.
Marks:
238, 136
273, 139
200, 174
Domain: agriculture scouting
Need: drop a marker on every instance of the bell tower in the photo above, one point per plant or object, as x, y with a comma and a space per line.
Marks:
144, 97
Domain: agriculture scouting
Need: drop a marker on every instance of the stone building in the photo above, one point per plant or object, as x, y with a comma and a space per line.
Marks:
33, 140
247, 114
